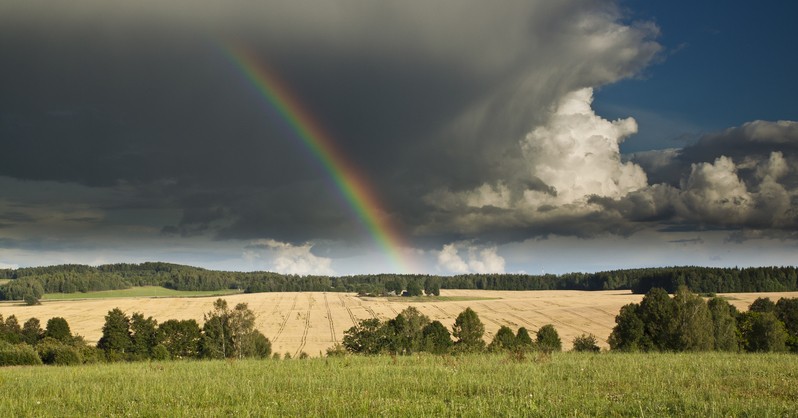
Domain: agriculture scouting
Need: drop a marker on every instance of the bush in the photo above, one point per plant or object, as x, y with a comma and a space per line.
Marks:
548, 340
160, 352
54, 352
18, 355
586, 343
335, 351
504, 340
31, 300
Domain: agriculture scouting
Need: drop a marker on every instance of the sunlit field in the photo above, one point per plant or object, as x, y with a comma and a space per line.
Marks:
313, 321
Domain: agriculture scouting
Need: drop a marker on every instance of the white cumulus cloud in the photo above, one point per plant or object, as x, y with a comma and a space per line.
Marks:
478, 259
287, 258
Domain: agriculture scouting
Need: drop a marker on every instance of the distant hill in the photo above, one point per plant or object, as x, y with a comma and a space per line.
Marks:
70, 278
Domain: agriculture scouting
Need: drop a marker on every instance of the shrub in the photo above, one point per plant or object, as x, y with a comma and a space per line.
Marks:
523, 341
18, 355
52, 351
335, 351
548, 340
160, 352
31, 300
586, 343
503, 340
436, 337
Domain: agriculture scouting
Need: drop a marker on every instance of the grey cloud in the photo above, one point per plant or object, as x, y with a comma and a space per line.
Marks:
137, 100
743, 177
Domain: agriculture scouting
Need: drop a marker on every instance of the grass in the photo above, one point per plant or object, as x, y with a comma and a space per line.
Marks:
4, 281
138, 292
567, 384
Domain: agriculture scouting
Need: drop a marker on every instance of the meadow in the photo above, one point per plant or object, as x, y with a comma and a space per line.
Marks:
565, 384
314, 321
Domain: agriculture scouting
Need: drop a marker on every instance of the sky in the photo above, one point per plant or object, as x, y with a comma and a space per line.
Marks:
351, 136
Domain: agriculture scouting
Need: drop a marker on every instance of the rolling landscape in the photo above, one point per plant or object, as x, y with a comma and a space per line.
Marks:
314, 321
398, 208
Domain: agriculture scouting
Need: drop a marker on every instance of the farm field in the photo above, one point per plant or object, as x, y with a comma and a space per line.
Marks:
140, 291
565, 384
313, 321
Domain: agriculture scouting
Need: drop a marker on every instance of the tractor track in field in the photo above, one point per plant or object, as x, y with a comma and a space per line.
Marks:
443, 311
304, 339
488, 317
349, 311
370, 311
285, 320
330, 319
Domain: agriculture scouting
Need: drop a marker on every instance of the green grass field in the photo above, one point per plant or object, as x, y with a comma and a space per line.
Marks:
138, 292
567, 384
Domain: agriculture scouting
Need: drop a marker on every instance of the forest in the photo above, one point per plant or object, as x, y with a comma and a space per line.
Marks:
30, 283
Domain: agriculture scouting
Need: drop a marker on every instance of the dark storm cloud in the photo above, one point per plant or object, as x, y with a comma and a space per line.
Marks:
136, 99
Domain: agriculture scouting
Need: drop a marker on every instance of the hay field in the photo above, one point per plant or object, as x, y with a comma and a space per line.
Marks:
314, 321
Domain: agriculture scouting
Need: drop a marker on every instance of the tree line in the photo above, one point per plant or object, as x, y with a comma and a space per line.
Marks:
32, 282
413, 332
226, 333
688, 322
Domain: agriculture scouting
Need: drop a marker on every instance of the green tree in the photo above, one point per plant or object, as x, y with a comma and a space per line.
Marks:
787, 312
365, 338
656, 311
256, 345
181, 338
32, 331
762, 331
436, 338
762, 305
692, 322
10, 330
724, 325
628, 331
504, 340
411, 333
414, 288
31, 299
468, 331
432, 286
58, 328
116, 341
242, 331
217, 341
144, 336
522, 340
586, 343
548, 340
395, 333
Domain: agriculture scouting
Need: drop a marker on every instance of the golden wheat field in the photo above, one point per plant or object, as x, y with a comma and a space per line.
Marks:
313, 321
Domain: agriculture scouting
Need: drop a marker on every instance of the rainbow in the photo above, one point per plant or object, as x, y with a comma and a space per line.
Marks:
352, 185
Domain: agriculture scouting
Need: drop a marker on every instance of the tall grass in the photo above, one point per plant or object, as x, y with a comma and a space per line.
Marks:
567, 384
